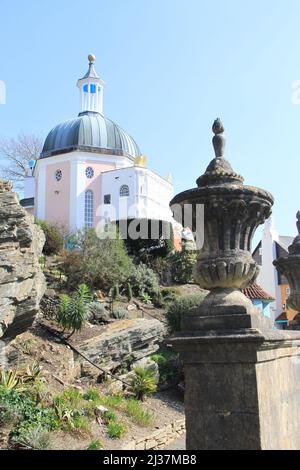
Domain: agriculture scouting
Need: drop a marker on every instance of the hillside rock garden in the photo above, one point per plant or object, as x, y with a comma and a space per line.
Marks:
87, 363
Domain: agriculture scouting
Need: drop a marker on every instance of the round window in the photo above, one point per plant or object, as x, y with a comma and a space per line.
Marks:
89, 172
58, 175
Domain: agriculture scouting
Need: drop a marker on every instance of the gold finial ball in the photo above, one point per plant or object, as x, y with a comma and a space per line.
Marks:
92, 58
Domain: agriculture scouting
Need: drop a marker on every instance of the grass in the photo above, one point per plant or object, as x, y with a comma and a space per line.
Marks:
134, 410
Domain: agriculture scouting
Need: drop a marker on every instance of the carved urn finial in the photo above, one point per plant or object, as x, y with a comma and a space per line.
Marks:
218, 139
232, 212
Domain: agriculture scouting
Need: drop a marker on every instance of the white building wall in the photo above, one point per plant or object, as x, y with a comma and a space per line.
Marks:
29, 187
149, 194
268, 276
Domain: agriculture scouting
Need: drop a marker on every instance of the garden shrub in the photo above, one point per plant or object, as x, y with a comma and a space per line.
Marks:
143, 382
182, 264
54, 240
144, 281
100, 263
98, 313
180, 307
119, 313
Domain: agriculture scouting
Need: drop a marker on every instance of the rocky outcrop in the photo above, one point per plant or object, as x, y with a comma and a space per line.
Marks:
22, 282
125, 340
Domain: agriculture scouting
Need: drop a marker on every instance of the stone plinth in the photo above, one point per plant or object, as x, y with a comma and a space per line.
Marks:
242, 389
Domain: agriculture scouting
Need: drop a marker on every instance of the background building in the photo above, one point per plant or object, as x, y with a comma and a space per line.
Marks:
268, 249
91, 171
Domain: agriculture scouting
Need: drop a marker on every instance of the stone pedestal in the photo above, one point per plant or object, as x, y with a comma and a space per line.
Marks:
242, 387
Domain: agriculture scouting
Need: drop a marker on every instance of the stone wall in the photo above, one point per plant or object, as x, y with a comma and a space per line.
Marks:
22, 282
158, 439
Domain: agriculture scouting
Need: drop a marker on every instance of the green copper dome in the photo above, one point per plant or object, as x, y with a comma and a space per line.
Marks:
90, 132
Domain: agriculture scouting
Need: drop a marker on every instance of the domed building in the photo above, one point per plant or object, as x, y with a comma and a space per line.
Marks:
91, 171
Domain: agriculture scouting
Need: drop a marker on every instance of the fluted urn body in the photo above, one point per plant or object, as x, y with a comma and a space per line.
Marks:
289, 266
232, 212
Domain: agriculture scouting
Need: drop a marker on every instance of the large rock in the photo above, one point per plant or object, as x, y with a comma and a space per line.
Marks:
22, 282
123, 340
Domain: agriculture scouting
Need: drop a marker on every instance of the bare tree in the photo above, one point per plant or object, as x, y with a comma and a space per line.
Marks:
15, 155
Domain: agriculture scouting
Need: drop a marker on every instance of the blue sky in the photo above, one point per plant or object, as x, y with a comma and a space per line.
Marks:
171, 67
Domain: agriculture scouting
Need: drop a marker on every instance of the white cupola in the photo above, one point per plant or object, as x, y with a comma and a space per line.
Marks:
91, 90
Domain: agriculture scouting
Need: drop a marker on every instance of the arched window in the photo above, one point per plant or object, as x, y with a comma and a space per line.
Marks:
124, 190
89, 209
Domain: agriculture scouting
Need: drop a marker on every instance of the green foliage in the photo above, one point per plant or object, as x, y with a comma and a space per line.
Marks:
146, 298
109, 416
143, 383
9, 380
129, 291
119, 313
135, 411
180, 307
54, 240
168, 366
95, 445
116, 292
182, 264
74, 311
19, 409
116, 430
36, 438
169, 294
100, 263
42, 261
144, 281
98, 312
92, 394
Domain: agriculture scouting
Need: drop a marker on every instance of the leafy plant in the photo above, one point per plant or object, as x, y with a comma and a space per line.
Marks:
95, 445
115, 430
73, 311
146, 298
182, 265
92, 395
119, 313
98, 312
180, 307
109, 416
9, 380
143, 383
35, 438
168, 366
54, 239
144, 281
86, 265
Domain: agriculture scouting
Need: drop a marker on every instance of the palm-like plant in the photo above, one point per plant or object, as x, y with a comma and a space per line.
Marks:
143, 383
73, 311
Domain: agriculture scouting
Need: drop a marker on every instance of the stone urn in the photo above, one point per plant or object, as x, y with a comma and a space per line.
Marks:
232, 212
289, 266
